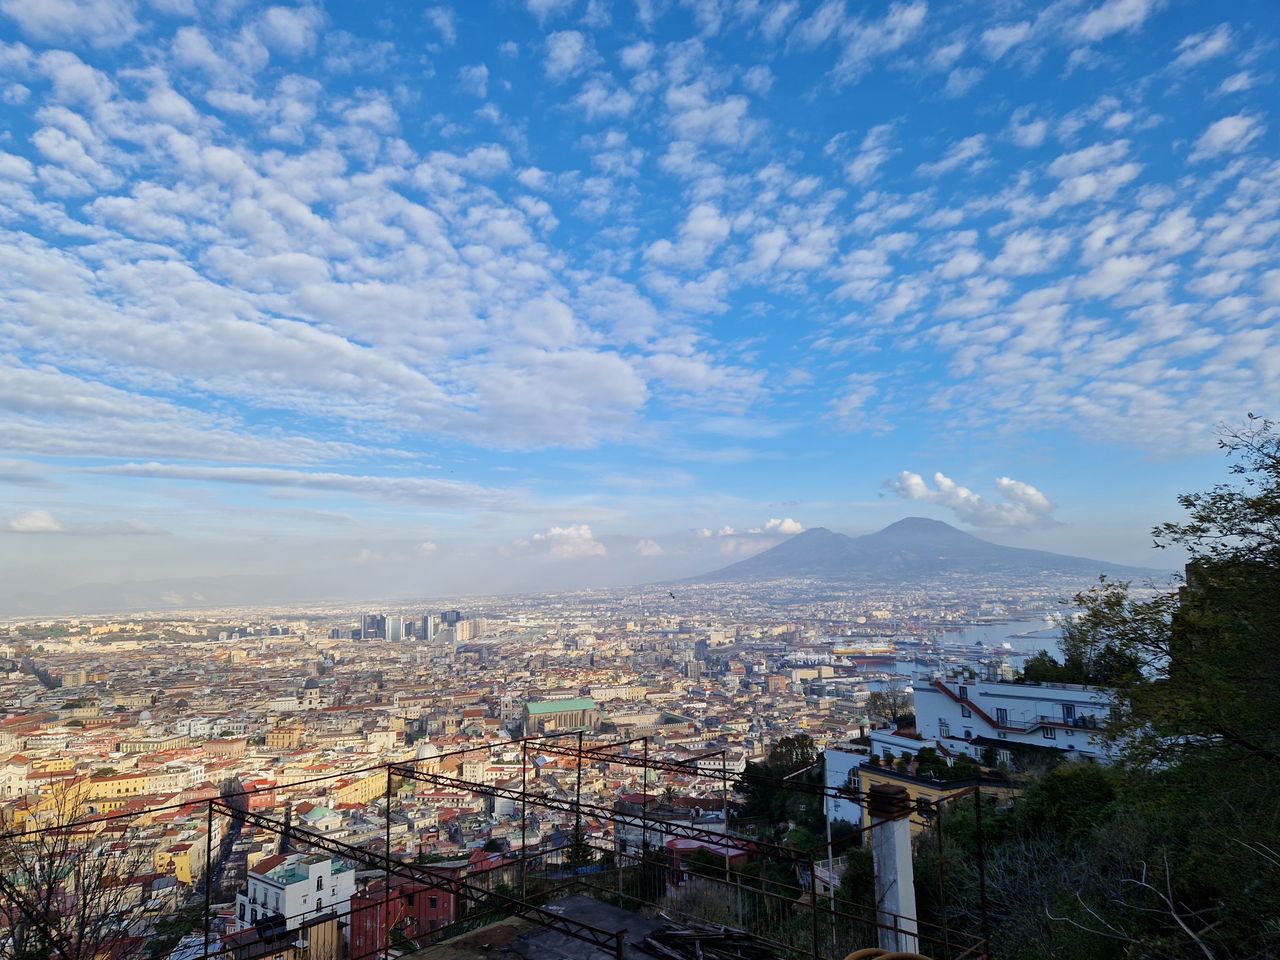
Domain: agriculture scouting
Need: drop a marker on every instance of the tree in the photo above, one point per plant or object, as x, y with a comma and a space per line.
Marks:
579, 852
61, 885
892, 703
777, 791
791, 754
1198, 669
1175, 851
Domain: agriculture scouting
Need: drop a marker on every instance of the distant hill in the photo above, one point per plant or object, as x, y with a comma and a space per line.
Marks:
908, 549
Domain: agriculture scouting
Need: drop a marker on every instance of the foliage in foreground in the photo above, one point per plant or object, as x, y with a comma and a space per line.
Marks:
1175, 851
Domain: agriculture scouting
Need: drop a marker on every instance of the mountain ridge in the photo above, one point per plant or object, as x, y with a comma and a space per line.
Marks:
907, 548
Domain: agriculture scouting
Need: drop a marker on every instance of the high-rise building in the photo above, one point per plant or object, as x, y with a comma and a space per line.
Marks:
450, 617
428, 627
395, 629
374, 627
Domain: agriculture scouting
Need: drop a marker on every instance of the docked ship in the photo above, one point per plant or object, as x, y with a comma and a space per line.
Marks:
875, 654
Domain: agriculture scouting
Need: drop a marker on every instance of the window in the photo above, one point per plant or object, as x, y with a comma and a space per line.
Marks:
1068, 712
1050, 733
319, 905
242, 910
1002, 735
968, 734
944, 728
966, 712
1002, 716
431, 902
964, 693
319, 884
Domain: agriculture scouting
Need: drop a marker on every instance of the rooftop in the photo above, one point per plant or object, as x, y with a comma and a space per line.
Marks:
560, 706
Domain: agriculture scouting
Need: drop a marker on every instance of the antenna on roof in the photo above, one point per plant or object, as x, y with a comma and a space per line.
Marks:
286, 835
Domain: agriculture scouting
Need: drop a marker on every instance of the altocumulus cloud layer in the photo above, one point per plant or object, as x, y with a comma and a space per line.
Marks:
283, 251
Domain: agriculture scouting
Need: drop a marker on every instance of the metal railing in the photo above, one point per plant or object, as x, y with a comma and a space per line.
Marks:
772, 891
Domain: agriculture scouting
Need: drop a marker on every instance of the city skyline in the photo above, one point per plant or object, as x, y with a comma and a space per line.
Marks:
471, 299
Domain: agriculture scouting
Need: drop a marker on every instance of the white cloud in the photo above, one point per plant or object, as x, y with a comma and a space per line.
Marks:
863, 42
1030, 251
637, 55
474, 79
425, 490
786, 527
961, 80
699, 116
1114, 16
1238, 82
850, 406
1228, 135
969, 152
547, 9
701, 234
1199, 47
290, 30
649, 548
600, 98
1027, 132
776, 17
427, 548
100, 23
758, 79
997, 41
444, 21
34, 521
1090, 158
569, 542
1023, 505
567, 54
705, 533
872, 154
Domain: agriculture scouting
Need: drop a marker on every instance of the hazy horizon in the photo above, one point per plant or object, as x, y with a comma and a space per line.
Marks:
510, 297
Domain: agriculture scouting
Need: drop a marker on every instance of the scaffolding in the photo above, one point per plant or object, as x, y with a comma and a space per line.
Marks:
766, 889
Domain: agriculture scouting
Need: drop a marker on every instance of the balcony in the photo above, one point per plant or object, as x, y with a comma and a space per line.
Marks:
1086, 722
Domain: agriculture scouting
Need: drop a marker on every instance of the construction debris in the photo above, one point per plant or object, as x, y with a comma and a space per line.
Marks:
692, 940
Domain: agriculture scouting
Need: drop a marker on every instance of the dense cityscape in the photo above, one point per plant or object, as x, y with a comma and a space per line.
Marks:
297, 710
639, 480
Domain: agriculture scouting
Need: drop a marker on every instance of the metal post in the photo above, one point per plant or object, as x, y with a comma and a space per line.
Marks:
982, 872
524, 809
208, 878
813, 906
942, 881
831, 856
644, 795
577, 798
386, 877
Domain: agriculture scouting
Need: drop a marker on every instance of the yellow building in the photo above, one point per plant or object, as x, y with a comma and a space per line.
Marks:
358, 790
155, 744
184, 860
287, 736
53, 764
926, 794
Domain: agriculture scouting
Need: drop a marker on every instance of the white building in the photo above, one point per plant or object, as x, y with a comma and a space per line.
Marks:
960, 715
297, 886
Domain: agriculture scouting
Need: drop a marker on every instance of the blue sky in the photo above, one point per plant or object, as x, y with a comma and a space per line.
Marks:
406, 298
